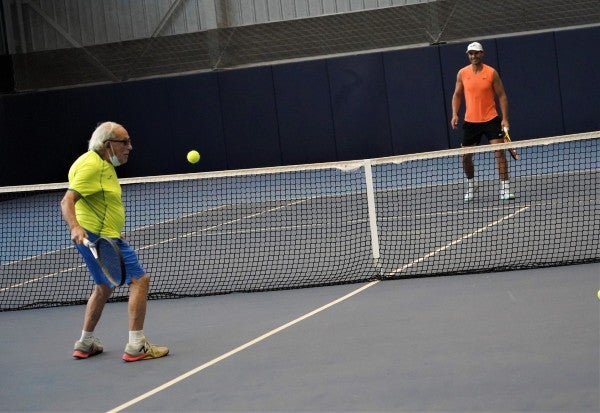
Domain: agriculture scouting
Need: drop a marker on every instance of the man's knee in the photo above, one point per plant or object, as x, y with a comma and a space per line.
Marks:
141, 281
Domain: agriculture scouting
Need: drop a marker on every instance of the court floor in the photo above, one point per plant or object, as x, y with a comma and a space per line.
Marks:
499, 342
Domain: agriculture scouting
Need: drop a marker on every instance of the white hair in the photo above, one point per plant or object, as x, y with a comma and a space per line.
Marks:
102, 133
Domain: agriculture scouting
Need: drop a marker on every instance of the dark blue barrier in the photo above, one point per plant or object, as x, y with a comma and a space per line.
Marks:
194, 116
143, 108
83, 109
304, 112
416, 100
578, 63
353, 107
249, 118
359, 106
35, 148
4, 136
530, 76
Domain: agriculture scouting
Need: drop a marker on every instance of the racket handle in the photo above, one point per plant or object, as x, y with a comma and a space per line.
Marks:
91, 246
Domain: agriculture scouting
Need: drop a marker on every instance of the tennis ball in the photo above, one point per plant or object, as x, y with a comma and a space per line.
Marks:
598, 294
193, 156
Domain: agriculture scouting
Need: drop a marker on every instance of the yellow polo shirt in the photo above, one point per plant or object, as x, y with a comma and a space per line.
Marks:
100, 209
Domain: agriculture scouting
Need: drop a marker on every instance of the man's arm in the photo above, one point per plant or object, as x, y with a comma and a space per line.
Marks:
456, 101
502, 98
67, 207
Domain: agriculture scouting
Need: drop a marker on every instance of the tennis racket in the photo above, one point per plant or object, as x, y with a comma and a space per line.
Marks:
512, 151
109, 257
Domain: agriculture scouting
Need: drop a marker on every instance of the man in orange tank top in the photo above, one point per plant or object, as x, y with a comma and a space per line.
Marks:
480, 84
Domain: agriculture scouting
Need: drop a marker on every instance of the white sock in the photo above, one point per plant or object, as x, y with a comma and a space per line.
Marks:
87, 336
504, 187
136, 337
471, 184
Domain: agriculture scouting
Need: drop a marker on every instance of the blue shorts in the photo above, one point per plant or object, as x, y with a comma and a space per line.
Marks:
133, 268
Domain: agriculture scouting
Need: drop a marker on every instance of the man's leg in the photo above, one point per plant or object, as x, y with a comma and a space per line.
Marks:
138, 348
502, 165
468, 167
95, 306
469, 170
88, 345
138, 299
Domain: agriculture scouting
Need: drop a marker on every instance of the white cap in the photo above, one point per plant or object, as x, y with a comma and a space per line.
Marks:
475, 46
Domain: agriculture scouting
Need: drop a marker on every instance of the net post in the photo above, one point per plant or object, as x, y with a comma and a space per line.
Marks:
372, 211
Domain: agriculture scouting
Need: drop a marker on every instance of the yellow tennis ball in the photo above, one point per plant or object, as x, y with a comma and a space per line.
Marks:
598, 294
193, 156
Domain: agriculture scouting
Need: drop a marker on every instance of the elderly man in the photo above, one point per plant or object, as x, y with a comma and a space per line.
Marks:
92, 207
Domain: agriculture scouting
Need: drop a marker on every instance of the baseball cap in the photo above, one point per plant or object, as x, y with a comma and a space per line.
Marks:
475, 46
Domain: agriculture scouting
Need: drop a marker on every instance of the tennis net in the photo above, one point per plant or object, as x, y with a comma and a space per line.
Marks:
322, 224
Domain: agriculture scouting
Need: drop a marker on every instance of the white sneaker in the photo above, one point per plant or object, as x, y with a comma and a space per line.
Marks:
470, 190
506, 196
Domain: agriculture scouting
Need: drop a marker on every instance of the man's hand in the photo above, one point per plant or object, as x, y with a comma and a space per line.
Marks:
454, 121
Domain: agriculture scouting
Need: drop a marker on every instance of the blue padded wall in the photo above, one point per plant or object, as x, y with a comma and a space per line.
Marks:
304, 112
165, 119
353, 107
579, 67
4, 136
249, 118
194, 115
83, 109
527, 67
143, 109
37, 137
359, 107
416, 100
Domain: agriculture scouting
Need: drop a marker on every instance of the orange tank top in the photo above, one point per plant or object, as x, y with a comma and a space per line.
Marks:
479, 94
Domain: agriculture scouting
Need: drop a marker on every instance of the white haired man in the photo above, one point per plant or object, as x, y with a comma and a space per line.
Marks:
93, 207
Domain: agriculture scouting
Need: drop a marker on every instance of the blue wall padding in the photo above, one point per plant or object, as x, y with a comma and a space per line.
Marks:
249, 118
359, 106
37, 136
83, 109
4, 137
143, 109
304, 112
353, 107
579, 67
530, 75
416, 100
195, 121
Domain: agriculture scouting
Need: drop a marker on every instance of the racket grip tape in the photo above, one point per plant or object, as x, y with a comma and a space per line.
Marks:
91, 246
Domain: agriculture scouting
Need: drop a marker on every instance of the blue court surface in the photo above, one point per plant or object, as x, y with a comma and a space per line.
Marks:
500, 342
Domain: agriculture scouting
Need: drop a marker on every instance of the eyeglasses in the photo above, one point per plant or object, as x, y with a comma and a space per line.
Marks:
125, 142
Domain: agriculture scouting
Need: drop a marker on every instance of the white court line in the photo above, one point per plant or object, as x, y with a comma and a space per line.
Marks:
189, 234
302, 318
456, 241
238, 349
42, 277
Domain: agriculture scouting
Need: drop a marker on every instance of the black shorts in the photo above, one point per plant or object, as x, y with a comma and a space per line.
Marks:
492, 129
